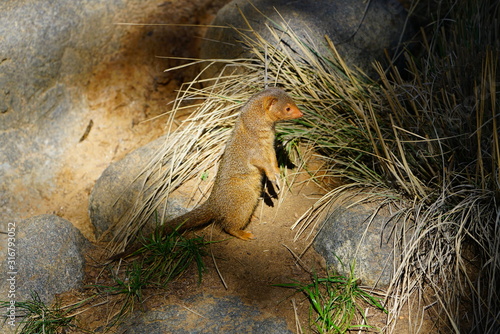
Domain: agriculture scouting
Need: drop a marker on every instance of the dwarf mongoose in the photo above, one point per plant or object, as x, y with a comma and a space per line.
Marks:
249, 154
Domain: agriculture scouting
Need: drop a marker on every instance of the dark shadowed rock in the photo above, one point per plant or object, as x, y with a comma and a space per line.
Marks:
361, 30
350, 234
206, 314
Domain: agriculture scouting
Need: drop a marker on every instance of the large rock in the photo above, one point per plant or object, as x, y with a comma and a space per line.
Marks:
47, 52
351, 235
44, 47
45, 255
361, 30
119, 188
206, 314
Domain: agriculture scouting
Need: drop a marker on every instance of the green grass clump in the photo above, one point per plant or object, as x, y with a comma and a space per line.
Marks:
164, 257
37, 317
159, 260
337, 302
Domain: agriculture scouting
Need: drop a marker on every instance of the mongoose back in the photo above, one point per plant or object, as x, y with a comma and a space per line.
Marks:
248, 156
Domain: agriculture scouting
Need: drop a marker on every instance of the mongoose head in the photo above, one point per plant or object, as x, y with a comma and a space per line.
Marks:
279, 106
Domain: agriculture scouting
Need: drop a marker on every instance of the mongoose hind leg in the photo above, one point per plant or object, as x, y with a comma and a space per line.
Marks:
241, 234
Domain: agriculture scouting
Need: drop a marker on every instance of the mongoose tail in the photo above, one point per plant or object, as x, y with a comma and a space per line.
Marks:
200, 216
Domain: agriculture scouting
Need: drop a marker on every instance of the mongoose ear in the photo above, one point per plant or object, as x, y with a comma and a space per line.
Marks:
269, 102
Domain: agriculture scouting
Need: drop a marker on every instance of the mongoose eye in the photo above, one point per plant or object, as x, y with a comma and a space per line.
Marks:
287, 108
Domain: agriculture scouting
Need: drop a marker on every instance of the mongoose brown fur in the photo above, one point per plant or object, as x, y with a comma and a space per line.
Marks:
248, 156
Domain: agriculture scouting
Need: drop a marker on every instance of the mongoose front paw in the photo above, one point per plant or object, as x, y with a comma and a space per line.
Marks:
277, 182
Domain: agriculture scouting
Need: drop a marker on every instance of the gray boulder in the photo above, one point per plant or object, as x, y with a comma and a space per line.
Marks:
206, 314
118, 189
361, 30
350, 234
45, 255
47, 52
